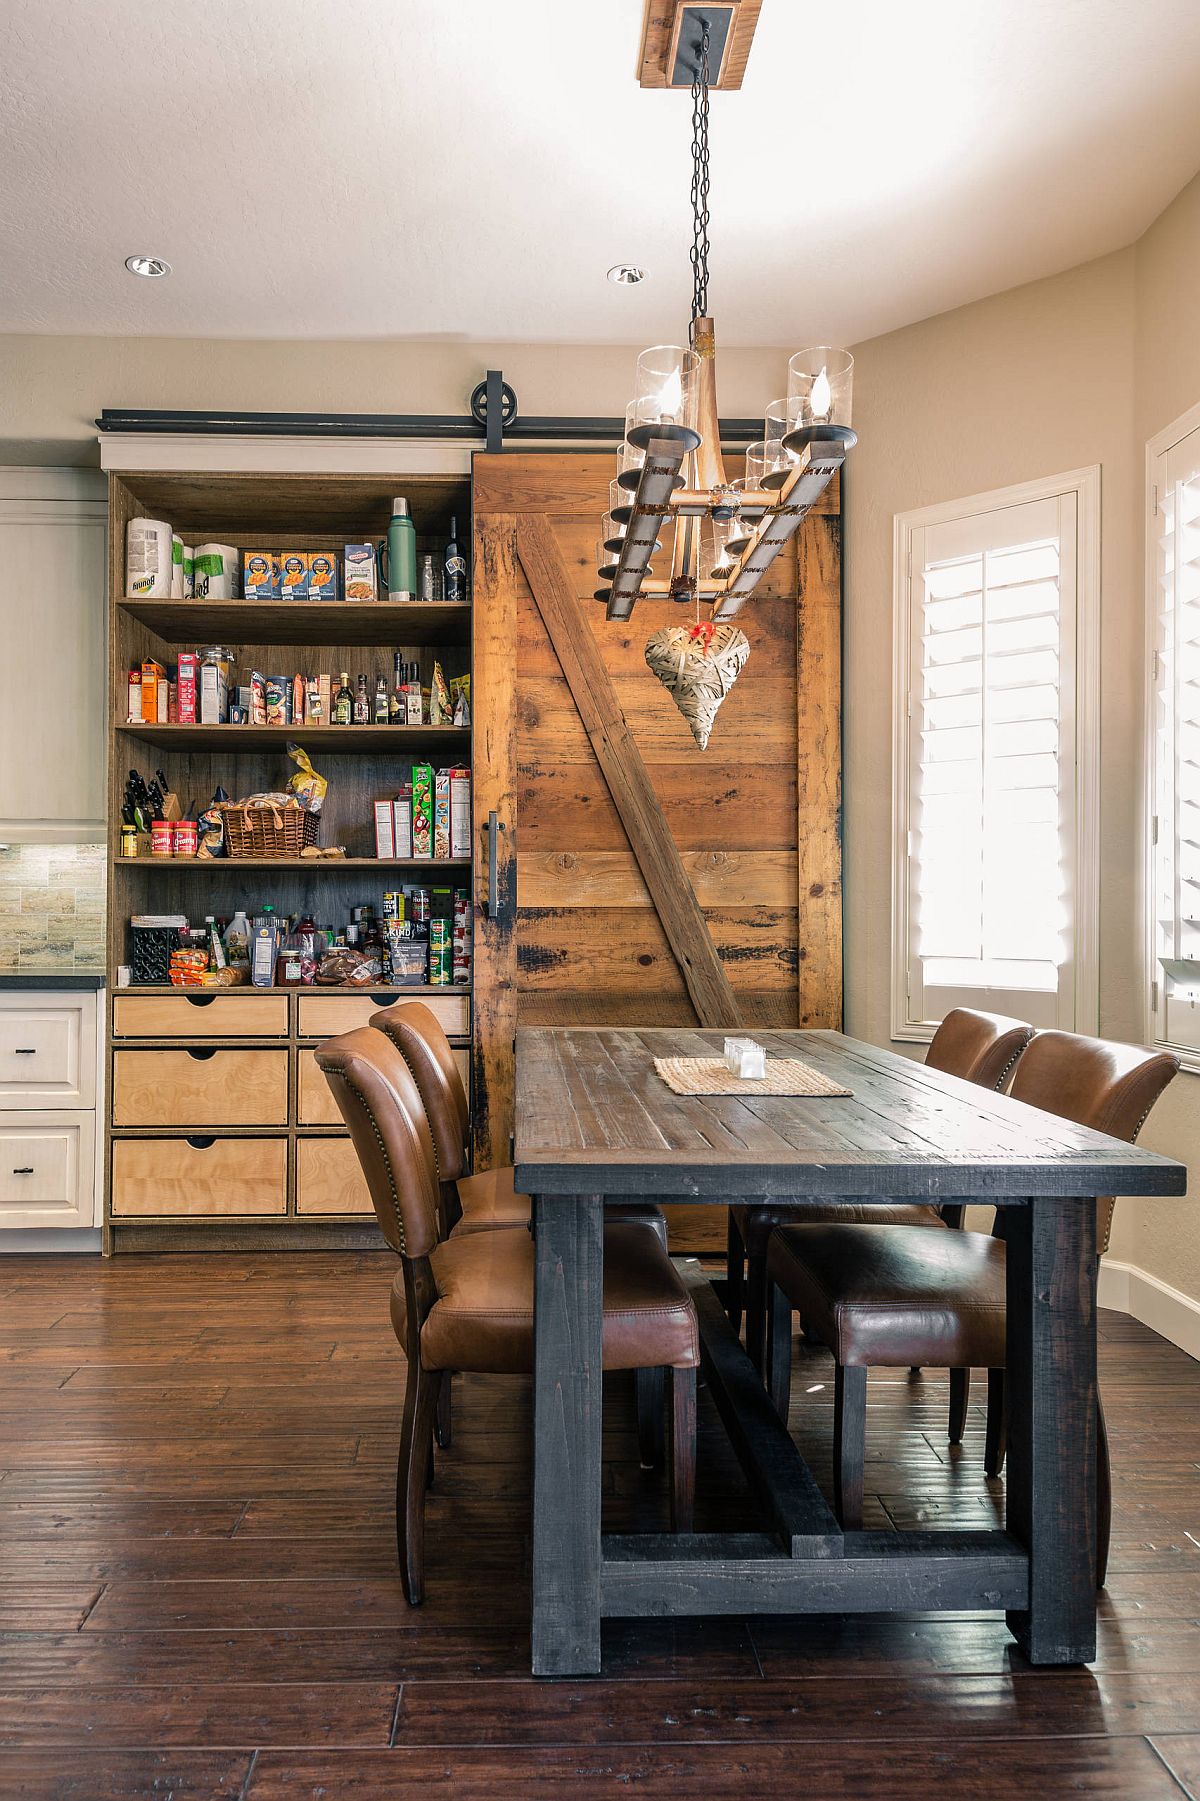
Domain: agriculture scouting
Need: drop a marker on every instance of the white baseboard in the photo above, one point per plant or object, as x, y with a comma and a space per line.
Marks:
37, 1240
1166, 1310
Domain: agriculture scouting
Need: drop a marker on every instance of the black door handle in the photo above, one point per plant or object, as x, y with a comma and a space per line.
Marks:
27, 1171
25, 1051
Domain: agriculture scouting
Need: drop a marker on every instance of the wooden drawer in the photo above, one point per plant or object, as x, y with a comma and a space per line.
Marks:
47, 1170
47, 1051
200, 1088
205, 1015
324, 1015
328, 1178
315, 1105
198, 1178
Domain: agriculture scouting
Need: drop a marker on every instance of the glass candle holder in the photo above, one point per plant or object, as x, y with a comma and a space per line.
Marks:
619, 507
606, 565
821, 384
612, 536
716, 560
629, 458
665, 386
779, 420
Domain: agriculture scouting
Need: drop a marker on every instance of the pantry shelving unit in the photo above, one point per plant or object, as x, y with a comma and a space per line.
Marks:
221, 1132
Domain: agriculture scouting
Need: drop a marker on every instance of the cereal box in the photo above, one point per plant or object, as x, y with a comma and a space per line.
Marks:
422, 810
260, 575
186, 687
293, 575
361, 574
322, 575
460, 812
441, 813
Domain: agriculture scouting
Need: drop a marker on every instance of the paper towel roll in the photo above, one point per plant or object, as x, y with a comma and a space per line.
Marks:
176, 566
148, 559
216, 572
189, 572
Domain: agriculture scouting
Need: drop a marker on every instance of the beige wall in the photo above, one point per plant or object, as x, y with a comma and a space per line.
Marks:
52, 389
1075, 370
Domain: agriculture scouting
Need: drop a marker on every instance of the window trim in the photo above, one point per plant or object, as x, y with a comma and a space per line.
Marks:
1084, 484
1161, 444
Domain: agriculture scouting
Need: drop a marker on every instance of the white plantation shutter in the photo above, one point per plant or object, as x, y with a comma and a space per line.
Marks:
1174, 902
987, 881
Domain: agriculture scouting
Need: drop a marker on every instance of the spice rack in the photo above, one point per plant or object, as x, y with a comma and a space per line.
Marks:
220, 1131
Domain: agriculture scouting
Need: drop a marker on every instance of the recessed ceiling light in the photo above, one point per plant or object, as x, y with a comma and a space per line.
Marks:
627, 275
147, 265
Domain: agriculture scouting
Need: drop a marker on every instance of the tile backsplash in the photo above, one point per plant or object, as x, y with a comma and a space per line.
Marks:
52, 906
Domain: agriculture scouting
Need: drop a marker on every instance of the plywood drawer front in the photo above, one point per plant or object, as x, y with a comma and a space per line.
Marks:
316, 1105
214, 1177
237, 1015
46, 1171
328, 1178
200, 1088
47, 1053
323, 1016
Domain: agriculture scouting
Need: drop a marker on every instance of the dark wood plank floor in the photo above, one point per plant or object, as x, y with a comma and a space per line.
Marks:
198, 1593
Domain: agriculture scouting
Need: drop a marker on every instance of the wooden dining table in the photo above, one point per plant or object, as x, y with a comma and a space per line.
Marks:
595, 1121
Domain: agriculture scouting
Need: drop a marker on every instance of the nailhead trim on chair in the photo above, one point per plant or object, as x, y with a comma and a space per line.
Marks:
387, 1162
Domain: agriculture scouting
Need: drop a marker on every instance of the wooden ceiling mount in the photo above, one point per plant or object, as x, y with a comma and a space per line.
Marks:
671, 32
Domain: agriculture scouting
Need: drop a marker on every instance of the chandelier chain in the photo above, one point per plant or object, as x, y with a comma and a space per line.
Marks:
700, 181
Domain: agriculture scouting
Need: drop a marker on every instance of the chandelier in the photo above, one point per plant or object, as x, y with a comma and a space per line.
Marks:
670, 491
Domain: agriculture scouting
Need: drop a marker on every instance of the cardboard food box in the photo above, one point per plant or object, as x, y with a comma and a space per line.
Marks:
152, 674
385, 829
293, 575
361, 573
187, 687
422, 810
460, 812
441, 814
402, 822
322, 575
260, 575
214, 695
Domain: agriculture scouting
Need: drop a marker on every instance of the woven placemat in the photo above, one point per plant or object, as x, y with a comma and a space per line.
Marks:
709, 1075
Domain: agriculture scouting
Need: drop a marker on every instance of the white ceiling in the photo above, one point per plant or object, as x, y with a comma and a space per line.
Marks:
470, 168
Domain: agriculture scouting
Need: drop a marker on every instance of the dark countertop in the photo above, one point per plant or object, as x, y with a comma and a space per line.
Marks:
51, 981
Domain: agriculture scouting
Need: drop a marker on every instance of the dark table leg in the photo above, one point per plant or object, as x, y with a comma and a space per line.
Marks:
1051, 1479
567, 1396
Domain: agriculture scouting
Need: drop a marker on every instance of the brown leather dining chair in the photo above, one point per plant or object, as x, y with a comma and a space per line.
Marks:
487, 1201
979, 1047
466, 1303
889, 1296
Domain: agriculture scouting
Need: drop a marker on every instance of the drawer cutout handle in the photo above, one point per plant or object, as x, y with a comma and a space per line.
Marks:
200, 1000
200, 1142
201, 1056
25, 1051
386, 1000
26, 1171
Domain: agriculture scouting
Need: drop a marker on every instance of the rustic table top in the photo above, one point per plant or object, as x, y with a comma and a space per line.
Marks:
594, 1117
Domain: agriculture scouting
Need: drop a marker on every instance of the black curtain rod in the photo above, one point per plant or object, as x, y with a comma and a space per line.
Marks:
380, 425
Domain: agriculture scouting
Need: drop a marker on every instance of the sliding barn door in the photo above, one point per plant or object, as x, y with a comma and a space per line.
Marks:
631, 878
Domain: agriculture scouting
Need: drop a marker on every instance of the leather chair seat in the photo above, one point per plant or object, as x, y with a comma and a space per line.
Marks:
895, 1295
755, 1224
489, 1201
483, 1317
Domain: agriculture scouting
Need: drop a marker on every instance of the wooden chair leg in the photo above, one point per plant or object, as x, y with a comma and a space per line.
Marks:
757, 1301
683, 1449
1103, 1495
960, 1394
651, 1391
997, 1424
442, 1426
735, 1272
779, 1351
849, 1444
412, 1471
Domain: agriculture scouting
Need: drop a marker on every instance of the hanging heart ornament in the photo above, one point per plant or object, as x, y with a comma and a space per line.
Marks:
698, 665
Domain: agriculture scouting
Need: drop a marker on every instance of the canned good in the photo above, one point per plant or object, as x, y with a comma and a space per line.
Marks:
186, 838
440, 965
129, 841
162, 838
419, 905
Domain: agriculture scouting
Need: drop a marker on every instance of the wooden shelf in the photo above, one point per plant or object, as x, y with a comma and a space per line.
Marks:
403, 739
370, 988
318, 865
381, 622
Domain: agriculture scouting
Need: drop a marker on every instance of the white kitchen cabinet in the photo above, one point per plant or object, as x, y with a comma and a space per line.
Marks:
50, 1081
53, 619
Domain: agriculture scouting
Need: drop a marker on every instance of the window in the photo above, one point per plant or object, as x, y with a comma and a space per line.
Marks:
994, 841
1173, 887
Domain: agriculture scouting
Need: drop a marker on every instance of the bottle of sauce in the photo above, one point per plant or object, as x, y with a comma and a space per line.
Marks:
343, 702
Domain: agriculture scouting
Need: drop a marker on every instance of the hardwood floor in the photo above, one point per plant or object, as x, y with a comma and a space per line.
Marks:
199, 1596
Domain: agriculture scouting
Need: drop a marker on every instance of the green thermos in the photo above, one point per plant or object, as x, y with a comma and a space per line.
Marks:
398, 555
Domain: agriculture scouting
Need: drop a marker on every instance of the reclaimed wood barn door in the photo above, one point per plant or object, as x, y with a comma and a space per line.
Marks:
631, 878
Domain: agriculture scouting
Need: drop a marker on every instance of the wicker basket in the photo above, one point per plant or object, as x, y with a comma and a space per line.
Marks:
265, 832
